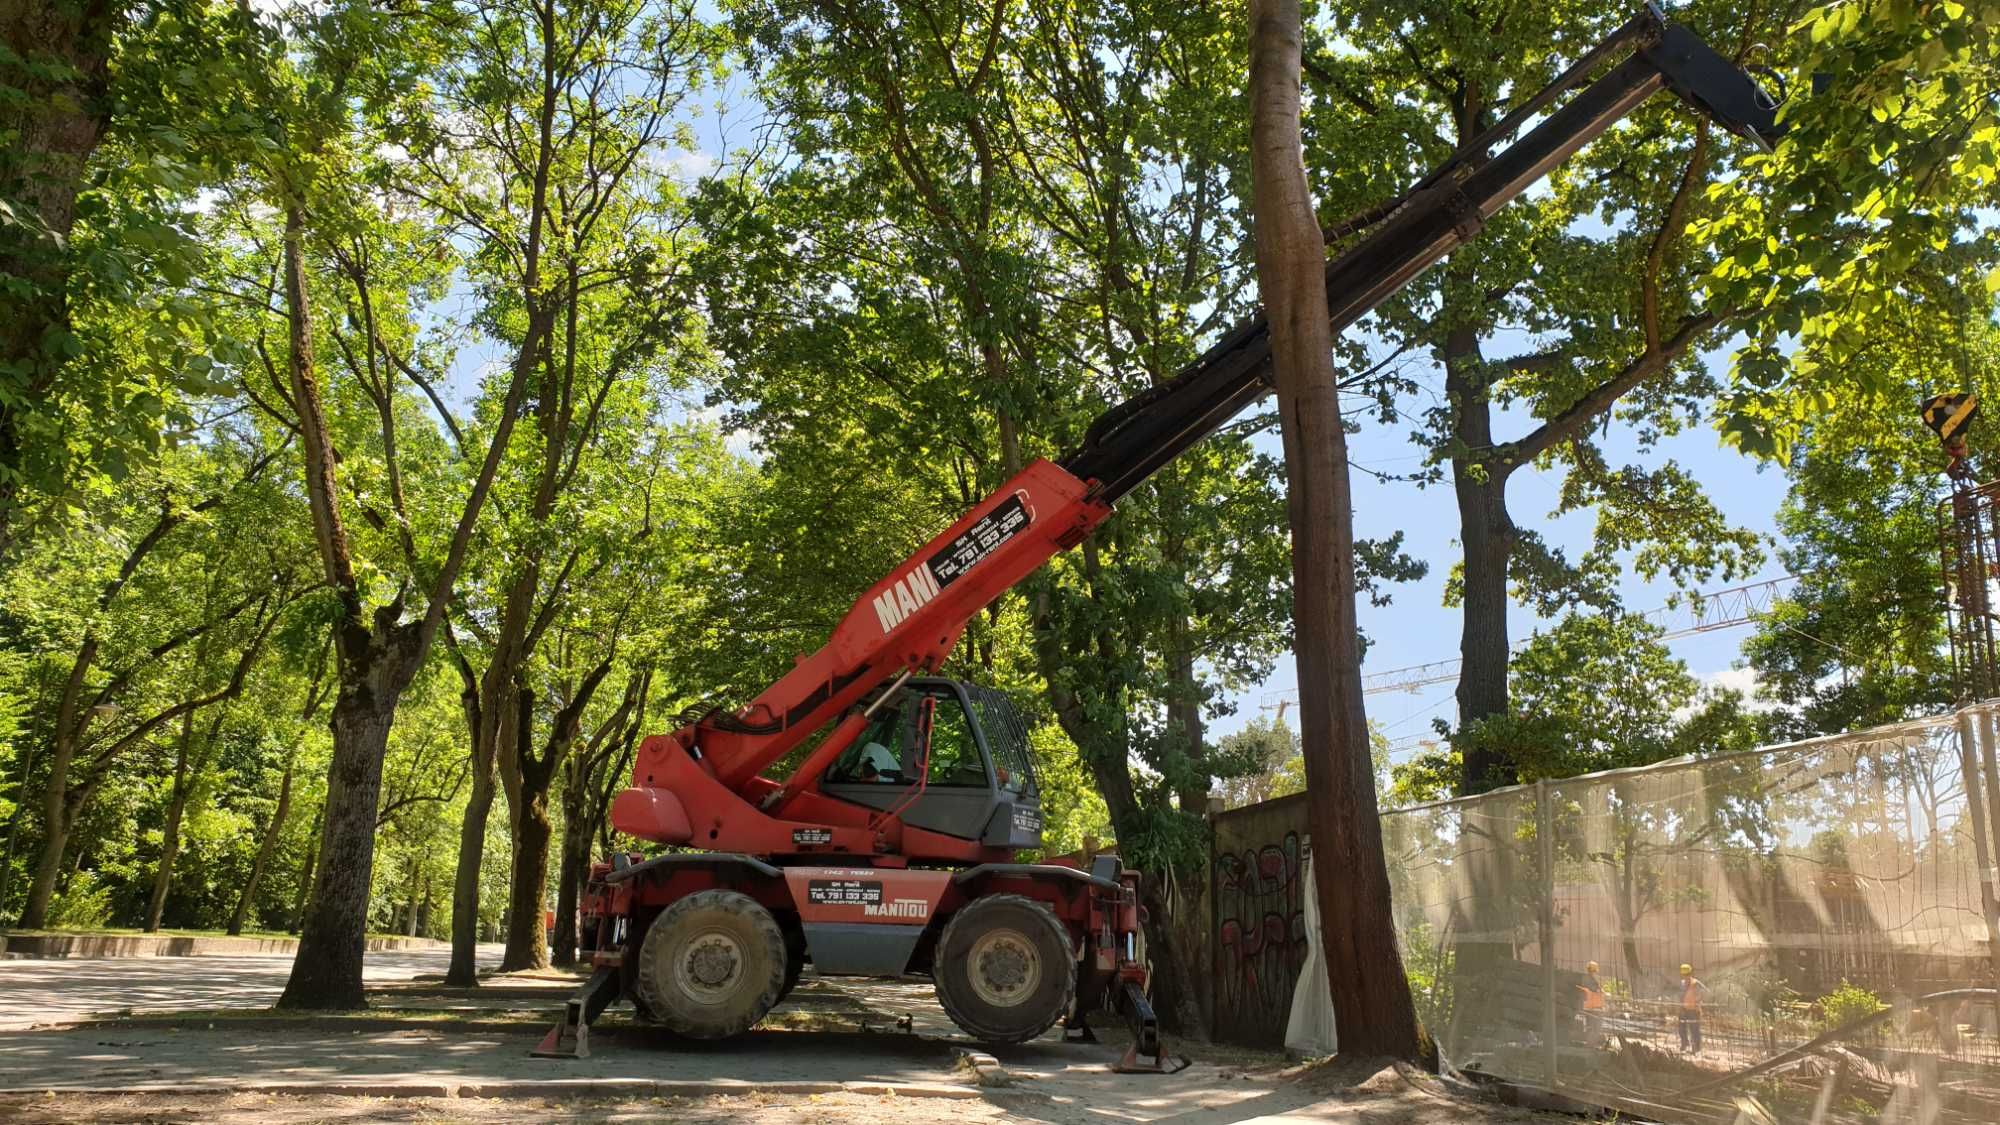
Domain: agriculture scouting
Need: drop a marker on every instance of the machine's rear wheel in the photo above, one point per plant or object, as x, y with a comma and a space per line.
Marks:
712, 964
1005, 969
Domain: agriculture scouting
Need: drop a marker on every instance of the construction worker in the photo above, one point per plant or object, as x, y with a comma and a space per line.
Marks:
879, 764
1593, 1002
1692, 991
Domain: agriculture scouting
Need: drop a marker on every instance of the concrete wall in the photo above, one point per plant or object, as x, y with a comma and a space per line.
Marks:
1257, 941
43, 945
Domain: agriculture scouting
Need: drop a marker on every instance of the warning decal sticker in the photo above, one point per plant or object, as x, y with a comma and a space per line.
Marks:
979, 541
844, 892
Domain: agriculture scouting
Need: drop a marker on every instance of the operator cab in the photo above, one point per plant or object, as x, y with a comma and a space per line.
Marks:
960, 749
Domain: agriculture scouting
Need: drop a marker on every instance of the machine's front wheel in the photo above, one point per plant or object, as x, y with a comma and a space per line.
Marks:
712, 964
1005, 969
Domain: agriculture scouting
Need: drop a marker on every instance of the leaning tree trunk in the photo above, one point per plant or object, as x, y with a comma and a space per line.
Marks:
58, 814
265, 850
71, 721
170, 832
1371, 995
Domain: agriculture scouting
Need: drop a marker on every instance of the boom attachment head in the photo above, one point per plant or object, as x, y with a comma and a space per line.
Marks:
1714, 86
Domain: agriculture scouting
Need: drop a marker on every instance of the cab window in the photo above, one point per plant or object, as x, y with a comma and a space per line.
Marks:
879, 755
955, 757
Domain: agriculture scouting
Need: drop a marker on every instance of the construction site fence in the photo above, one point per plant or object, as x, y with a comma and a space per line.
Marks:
1804, 932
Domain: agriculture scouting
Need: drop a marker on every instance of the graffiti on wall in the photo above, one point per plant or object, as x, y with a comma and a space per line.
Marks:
1260, 942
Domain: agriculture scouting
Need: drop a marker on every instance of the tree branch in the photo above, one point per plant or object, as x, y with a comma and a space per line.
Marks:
1606, 394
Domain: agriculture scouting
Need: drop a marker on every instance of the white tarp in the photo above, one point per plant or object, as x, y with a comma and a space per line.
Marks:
1310, 1030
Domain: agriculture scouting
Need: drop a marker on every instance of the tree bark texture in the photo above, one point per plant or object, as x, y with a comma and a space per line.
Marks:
573, 864
1487, 536
375, 667
528, 817
1371, 995
529, 783
463, 971
326, 973
527, 937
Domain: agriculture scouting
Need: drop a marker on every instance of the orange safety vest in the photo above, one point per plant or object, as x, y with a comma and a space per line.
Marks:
1691, 995
1593, 997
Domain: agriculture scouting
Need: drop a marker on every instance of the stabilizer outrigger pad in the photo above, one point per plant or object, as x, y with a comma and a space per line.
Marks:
570, 1037
1146, 1055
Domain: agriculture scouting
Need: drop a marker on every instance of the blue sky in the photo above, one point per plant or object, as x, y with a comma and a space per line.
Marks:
1416, 628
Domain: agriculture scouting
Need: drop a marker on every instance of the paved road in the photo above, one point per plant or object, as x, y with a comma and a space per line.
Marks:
43, 991
1065, 1083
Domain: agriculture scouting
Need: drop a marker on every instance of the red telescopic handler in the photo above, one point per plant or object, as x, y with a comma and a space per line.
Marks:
889, 849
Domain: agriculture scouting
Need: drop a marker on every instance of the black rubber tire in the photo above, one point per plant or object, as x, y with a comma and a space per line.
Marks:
1040, 1005
795, 959
752, 977
628, 980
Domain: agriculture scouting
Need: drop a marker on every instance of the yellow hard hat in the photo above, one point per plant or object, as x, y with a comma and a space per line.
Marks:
1687, 970
1592, 967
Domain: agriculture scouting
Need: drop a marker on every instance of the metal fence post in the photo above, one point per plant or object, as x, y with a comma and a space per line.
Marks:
1989, 862
1982, 847
1545, 843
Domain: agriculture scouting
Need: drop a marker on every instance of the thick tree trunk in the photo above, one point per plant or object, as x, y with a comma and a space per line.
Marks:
1371, 995
464, 970
1184, 719
265, 851
573, 865
326, 973
1488, 537
375, 667
527, 939
529, 781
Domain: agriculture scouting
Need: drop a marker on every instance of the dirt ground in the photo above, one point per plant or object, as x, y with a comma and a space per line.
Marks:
1383, 1098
